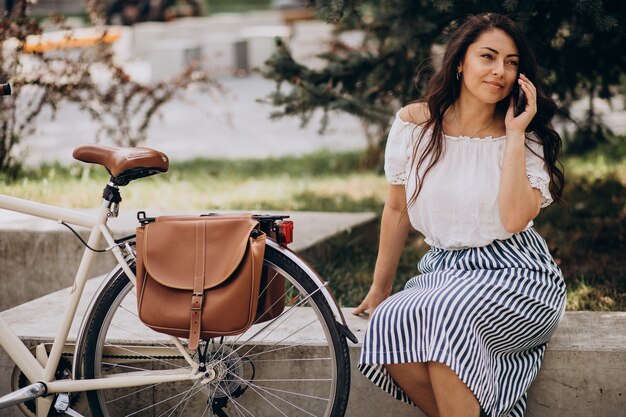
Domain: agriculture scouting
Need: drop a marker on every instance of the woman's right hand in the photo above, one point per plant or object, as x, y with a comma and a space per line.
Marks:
374, 297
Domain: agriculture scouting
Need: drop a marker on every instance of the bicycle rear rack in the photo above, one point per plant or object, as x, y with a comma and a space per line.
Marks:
273, 225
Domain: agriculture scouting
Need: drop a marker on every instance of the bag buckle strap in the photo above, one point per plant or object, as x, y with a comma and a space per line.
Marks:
198, 288
196, 312
196, 301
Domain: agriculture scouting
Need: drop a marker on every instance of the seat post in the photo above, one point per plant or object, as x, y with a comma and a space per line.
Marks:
112, 197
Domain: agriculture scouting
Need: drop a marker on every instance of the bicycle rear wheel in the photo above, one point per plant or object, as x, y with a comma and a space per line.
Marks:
295, 365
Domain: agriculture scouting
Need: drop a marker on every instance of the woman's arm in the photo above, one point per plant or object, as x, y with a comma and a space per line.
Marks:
394, 229
519, 202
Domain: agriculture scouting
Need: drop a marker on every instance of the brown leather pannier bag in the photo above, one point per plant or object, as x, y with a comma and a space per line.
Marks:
200, 277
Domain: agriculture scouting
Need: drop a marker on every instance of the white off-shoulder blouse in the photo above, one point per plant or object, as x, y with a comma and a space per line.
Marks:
458, 204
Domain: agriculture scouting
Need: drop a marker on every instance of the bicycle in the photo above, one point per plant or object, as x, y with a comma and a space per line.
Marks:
127, 369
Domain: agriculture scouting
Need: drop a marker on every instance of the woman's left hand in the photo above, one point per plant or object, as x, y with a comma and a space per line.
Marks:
518, 125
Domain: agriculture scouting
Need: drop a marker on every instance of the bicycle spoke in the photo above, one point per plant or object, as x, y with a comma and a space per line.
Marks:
283, 379
157, 403
186, 400
282, 340
197, 390
132, 393
286, 313
172, 409
265, 399
256, 361
173, 348
267, 286
132, 313
293, 380
254, 355
118, 365
143, 356
299, 394
253, 388
238, 405
208, 405
288, 359
281, 299
211, 399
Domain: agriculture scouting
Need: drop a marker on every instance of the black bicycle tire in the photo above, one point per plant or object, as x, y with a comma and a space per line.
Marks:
88, 343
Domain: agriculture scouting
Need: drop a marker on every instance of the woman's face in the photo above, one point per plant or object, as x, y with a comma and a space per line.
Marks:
490, 67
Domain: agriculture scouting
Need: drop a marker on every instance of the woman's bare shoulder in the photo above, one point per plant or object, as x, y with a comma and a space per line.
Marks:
416, 113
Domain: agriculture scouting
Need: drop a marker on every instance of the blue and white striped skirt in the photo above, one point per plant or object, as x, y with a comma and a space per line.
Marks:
487, 313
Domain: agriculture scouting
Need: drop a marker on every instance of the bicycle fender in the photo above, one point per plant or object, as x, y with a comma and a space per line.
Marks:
323, 288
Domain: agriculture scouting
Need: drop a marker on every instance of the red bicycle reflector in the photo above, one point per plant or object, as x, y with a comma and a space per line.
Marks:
284, 231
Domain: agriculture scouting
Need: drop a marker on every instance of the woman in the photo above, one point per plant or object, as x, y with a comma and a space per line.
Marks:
466, 338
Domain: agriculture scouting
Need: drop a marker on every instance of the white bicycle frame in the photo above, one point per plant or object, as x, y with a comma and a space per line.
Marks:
43, 369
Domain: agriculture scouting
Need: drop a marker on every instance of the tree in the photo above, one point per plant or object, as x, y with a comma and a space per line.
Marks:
43, 78
578, 43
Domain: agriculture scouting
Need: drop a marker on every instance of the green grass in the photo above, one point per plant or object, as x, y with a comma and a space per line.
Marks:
597, 297
348, 265
230, 6
608, 160
587, 239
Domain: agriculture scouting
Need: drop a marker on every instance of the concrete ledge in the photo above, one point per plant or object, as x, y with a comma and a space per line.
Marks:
40, 256
583, 373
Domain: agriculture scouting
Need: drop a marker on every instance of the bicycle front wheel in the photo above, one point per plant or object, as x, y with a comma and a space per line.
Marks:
294, 365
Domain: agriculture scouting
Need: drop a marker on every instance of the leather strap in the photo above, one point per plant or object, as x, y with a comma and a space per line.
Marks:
197, 297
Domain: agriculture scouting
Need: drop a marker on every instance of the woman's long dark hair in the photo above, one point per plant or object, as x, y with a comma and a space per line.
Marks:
444, 89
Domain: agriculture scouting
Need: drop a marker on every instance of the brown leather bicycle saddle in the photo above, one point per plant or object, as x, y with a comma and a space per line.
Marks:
124, 164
